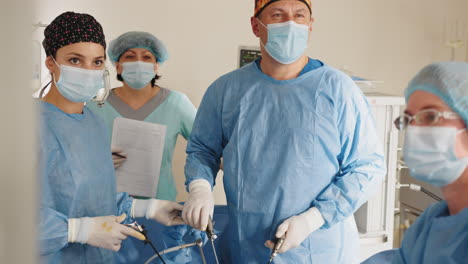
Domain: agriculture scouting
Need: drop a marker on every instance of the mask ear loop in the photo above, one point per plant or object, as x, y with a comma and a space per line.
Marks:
41, 93
263, 25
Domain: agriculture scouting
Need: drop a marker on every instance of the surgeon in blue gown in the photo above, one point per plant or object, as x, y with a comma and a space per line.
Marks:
299, 144
436, 151
82, 216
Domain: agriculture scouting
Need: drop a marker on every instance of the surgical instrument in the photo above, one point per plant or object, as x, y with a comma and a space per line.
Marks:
419, 188
198, 243
212, 236
119, 155
200, 247
278, 244
141, 229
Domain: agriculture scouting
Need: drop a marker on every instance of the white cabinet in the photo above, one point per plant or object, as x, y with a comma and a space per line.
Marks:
375, 219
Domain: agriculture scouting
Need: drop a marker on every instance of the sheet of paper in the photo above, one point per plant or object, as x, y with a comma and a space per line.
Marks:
143, 143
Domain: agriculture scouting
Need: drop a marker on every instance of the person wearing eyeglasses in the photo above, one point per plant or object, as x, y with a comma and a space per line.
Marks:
436, 151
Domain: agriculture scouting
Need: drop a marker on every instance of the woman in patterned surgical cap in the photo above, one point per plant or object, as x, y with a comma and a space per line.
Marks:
81, 215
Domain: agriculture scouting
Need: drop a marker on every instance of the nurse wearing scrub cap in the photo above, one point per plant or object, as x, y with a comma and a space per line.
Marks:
81, 215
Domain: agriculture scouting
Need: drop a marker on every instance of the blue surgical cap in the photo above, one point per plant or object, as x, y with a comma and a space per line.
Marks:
137, 39
448, 81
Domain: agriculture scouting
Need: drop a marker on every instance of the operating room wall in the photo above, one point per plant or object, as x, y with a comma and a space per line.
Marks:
377, 39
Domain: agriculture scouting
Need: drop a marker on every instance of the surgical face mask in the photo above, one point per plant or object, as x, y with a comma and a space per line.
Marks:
79, 85
138, 74
429, 153
287, 41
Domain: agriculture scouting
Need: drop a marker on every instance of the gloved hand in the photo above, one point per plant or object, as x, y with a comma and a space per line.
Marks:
118, 157
102, 231
297, 229
165, 212
200, 204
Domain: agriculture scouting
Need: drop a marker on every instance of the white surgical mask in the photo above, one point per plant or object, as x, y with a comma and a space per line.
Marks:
287, 41
79, 85
429, 153
138, 74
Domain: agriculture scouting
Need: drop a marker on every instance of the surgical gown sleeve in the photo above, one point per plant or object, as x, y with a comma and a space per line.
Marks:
53, 231
206, 141
124, 205
361, 159
187, 114
53, 225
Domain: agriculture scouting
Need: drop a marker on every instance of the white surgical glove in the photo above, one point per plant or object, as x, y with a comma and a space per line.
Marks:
200, 204
297, 228
118, 157
165, 212
102, 231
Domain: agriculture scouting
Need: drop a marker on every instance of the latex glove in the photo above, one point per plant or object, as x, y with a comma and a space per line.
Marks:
165, 212
103, 231
118, 157
297, 229
200, 204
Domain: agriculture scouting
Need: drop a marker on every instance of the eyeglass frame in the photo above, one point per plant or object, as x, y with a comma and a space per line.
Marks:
448, 115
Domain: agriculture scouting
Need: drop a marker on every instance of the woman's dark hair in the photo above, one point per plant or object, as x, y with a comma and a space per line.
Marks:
153, 81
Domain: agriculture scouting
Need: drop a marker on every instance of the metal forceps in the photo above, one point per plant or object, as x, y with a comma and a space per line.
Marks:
212, 236
141, 228
198, 243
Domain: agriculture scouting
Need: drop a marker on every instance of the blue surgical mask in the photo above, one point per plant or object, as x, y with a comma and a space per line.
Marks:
429, 153
79, 85
138, 74
287, 41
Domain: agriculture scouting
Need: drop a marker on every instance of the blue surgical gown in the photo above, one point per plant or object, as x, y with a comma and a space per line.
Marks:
77, 179
287, 146
436, 237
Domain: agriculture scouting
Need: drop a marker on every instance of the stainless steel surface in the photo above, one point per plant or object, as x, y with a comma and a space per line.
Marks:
277, 247
212, 236
201, 252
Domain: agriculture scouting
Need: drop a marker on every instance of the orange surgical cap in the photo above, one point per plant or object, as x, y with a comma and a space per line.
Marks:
262, 4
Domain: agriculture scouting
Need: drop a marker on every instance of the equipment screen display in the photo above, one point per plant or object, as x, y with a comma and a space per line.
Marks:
247, 55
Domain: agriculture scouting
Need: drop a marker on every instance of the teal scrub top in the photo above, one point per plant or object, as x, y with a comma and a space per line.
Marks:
170, 108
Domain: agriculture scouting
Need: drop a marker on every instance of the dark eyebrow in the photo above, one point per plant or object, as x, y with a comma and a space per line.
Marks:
130, 51
75, 54
100, 57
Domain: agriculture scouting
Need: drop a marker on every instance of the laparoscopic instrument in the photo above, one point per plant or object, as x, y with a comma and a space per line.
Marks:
119, 155
276, 248
212, 236
140, 228
198, 243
